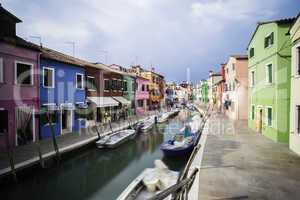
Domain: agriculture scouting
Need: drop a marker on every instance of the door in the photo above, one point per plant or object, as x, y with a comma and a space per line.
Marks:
259, 120
66, 121
4, 122
99, 115
24, 125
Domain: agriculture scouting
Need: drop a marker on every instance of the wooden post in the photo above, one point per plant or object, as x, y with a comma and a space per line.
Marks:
10, 157
53, 138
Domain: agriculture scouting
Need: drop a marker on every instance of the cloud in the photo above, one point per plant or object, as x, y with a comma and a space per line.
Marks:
167, 34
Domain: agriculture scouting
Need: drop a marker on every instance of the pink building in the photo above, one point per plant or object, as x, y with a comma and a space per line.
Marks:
19, 81
236, 89
142, 94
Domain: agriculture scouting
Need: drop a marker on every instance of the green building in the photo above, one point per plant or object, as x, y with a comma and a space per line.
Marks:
129, 92
269, 66
204, 91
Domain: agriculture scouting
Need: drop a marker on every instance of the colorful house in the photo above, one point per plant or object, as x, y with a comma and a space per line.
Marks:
269, 67
294, 141
62, 91
204, 91
19, 85
236, 95
142, 95
212, 80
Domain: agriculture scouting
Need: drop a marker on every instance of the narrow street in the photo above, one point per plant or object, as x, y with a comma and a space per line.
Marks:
241, 164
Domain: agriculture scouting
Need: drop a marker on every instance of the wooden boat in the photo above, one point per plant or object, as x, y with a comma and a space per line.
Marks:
150, 182
177, 147
116, 139
148, 124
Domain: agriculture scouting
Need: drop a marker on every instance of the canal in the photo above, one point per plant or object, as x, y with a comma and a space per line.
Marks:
96, 174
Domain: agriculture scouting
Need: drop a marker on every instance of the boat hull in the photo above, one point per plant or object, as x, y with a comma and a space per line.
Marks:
178, 152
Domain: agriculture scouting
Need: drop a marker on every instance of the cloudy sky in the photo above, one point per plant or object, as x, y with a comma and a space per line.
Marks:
173, 36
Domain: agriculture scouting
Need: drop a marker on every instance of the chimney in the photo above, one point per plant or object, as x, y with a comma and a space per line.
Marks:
7, 23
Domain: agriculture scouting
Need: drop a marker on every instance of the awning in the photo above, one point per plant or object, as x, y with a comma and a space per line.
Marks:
122, 100
102, 102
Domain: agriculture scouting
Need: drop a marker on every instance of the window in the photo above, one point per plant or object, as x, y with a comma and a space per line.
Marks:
298, 118
148, 102
91, 83
1, 71
125, 85
48, 77
298, 61
252, 78
107, 84
251, 52
227, 70
269, 116
23, 73
269, 73
143, 87
252, 112
79, 81
148, 89
233, 66
269, 40
114, 84
140, 103
120, 85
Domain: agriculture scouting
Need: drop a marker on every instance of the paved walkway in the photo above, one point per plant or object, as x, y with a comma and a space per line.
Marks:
27, 155
238, 163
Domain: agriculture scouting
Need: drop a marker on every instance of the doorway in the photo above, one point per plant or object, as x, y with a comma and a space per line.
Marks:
66, 121
4, 122
259, 120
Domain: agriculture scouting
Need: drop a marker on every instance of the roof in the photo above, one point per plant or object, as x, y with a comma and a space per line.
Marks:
240, 56
279, 21
296, 18
17, 41
8, 14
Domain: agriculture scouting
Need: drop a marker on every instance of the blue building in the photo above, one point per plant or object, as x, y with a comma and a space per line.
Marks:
62, 93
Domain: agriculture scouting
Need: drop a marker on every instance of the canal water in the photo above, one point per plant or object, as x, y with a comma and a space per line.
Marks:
95, 174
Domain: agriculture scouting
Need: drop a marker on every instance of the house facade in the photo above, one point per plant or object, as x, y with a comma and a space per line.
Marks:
212, 80
269, 68
204, 91
236, 95
142, 95
62, 94
294, 140
19, 85
129, 91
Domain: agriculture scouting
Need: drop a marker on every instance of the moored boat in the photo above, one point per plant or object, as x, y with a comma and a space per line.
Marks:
116, 139
150, 182
148, 124
164, 117
178, 147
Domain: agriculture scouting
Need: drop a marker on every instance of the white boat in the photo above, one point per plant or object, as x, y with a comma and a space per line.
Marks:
150, 182
116, 139
164, 117
148, 124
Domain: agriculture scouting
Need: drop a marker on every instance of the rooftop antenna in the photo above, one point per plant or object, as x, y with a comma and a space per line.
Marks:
73, 47
39, 38
105, 54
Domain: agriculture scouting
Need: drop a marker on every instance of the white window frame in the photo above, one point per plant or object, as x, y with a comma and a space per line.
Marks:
269, 34
267, 73
1, 70
267, 117
25, 63
53, 77
82, 81
89, 89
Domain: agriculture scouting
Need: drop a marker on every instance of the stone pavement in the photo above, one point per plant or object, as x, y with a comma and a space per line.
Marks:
239, 163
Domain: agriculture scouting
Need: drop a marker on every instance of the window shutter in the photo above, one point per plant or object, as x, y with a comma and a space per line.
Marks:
272, 38
1, 70
266, 42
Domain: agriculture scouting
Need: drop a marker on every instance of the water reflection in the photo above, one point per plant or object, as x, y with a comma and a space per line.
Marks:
98, 174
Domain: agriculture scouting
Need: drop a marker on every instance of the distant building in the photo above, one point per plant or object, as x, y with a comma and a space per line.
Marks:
211, 81
295, 88
236, 94
269, 67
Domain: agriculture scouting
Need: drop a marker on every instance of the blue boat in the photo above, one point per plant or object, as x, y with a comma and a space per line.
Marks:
181, 145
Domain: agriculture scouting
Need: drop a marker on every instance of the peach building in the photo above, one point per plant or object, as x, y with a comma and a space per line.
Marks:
236, 87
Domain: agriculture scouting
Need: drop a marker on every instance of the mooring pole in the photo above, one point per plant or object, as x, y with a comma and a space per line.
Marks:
10, 157
56, 149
